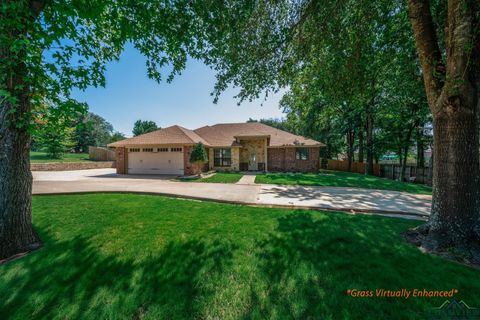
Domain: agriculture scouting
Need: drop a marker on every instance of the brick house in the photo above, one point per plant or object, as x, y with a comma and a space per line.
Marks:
230, 146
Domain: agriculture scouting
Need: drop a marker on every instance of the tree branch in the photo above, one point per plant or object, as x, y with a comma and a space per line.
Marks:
428, 49
36, 7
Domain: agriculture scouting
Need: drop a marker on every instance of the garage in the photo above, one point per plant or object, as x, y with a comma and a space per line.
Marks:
155, 161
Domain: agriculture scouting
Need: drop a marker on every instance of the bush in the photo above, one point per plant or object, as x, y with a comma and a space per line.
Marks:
199, 156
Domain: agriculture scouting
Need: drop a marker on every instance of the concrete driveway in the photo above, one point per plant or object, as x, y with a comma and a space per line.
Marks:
329, 198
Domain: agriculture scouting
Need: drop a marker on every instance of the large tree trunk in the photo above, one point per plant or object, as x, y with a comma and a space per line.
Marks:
16, 231
453, 93
456, 171
369, 142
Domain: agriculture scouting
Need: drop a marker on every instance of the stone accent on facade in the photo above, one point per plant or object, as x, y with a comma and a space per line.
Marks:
253, 146
235, 166
121, 155
284, 159
68, 166
235, 159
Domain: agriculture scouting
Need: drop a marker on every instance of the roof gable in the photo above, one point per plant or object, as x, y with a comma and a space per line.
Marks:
225, 134
170, 135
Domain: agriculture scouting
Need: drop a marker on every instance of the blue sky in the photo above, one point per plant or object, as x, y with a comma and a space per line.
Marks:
130, 95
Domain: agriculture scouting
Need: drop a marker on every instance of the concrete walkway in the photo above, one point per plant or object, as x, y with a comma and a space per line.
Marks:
247, 179
329, 198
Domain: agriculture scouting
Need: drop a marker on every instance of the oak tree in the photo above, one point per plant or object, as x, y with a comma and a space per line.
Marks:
49, 47
447, 35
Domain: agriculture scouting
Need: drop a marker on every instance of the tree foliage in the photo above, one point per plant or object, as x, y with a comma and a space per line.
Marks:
116, 136
54, 130
199, 154
144, 126
91, 130
47, 48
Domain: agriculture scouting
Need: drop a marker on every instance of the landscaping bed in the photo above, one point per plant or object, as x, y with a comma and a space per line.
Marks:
219, 177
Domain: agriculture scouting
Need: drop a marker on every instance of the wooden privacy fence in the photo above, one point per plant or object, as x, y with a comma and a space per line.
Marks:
101, 154
357, 167
412, 173
390, 171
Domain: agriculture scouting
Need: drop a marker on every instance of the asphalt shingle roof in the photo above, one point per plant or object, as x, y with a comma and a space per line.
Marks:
224, 134
219, 135
170, 135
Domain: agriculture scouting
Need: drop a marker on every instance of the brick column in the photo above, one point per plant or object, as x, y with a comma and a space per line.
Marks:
266, 154
121, 156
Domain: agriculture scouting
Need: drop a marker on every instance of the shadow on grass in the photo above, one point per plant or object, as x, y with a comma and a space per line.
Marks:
344, 179
71, 279
309, 264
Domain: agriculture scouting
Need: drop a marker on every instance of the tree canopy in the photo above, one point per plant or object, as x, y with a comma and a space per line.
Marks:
144, 126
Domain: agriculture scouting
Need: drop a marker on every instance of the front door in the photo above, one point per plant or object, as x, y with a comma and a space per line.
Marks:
252, 164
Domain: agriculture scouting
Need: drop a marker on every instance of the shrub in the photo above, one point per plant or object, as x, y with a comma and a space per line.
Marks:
199, 157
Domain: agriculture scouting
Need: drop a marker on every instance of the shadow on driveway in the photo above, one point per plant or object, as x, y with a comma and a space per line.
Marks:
347, 198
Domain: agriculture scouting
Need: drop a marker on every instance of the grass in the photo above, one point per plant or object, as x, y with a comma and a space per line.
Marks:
219, 177
124, 256
41, 157
341, 179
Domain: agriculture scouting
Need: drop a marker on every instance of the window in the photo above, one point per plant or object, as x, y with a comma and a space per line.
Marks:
222, 157
302, 153
176, 149
162, 149
147, 150
134, 149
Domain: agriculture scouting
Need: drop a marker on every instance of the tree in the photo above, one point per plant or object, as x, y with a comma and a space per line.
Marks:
266, 45
447, 37
281, 124
91, 130
49, 47
54, 136
199, 156
53, 129
141, 127
116, 136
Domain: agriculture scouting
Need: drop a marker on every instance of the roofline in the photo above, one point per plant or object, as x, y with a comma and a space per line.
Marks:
125, 143
298, 146
253, 136
151, 144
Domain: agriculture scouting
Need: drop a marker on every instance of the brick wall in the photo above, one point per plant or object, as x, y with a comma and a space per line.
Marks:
188, 167
284, 159
122, 157
276, 159
67, 166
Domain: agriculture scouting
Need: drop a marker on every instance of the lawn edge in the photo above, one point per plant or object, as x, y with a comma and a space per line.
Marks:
399, 214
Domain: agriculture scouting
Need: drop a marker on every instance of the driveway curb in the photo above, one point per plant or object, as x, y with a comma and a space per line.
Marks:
397, 214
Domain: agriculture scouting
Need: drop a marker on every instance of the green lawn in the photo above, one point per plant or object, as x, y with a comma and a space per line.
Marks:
341, 179
219, 177
123, 256
41, 157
